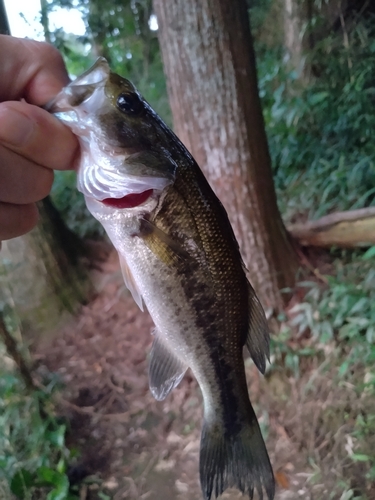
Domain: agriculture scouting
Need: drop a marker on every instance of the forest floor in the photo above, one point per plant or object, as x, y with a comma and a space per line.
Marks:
133, 447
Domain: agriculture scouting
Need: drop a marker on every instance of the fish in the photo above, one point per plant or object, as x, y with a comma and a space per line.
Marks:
180, 258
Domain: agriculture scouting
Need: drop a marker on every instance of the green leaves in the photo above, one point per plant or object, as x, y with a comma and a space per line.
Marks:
320, 132
33, 454
57, 480
369, 254
71, 205
343, 313
23, 482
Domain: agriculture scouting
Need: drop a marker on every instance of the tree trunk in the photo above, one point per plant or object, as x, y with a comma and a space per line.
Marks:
43, 273
210, 66
294, 19
44, 20
4, 24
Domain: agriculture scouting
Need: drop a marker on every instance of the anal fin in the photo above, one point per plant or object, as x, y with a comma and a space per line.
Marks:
130, 282
258, 338
165, 369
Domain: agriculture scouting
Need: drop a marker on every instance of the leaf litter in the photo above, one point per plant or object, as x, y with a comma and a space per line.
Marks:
133, 447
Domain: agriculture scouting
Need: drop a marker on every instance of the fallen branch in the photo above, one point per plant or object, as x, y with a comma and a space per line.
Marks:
355, 228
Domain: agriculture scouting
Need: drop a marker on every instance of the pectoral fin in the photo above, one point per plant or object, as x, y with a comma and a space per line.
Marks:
165, 370
130, 282
161, 244
258, 338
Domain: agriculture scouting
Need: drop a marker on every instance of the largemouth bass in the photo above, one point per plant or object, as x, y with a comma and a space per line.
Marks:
179, 257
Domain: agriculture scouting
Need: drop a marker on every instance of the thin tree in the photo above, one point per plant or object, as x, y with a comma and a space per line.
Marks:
211, 75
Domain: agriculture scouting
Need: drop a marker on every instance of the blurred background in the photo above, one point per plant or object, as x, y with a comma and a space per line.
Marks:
77, 420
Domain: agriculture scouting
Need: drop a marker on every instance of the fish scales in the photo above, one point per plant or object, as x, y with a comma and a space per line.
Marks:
180, 257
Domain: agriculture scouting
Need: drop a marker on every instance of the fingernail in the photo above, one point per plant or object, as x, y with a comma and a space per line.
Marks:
15, 128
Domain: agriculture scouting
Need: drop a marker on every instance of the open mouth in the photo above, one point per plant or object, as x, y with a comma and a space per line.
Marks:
98, 73
80, 92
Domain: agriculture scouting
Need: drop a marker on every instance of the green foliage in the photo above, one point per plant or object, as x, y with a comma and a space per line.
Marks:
320, 137
342, 311
71, 205
338, 320
33, 454
120, 31
320, 134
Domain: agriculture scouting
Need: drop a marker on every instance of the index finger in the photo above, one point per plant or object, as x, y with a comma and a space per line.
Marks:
37, 136
31, 70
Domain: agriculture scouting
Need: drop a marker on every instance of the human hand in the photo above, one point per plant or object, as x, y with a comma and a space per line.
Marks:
32, 142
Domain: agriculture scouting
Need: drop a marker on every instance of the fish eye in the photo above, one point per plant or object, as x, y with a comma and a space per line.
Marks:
129, 103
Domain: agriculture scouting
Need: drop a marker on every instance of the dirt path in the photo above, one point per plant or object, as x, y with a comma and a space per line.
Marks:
134, 446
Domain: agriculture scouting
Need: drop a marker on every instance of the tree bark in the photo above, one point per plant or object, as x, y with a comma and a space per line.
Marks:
211, 75
294, 19
45, 277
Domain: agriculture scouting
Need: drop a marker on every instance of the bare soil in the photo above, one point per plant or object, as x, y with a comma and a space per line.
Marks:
133, 447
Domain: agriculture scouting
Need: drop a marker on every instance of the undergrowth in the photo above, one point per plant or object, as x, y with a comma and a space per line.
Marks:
328, 341
320, 134
33, 456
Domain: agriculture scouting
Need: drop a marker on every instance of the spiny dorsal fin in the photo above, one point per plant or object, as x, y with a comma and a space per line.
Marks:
130, 282
165, 370
258, 338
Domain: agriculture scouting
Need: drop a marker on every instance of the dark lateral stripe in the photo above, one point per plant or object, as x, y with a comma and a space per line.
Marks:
207, 314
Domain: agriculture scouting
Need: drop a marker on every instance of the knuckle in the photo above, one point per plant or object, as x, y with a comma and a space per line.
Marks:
50, 54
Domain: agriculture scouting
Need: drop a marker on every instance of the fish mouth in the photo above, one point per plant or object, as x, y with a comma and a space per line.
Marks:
102, 174
80, 93
96, 75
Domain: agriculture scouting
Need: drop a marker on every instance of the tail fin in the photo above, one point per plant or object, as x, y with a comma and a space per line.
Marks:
235, 461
